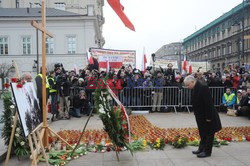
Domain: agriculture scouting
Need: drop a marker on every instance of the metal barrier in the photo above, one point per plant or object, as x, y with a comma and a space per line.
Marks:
186, 98
155, 98
217, 93
150, 98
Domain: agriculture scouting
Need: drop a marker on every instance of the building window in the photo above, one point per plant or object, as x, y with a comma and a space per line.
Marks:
71, 44
218, 52
223, 35
91, 11
4, 46
26, 45
60, 5
218, 36
224, 51
17, 4
49, 45
229, 49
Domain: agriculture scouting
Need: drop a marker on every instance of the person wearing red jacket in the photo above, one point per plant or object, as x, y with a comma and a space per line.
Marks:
236, 80
114, 84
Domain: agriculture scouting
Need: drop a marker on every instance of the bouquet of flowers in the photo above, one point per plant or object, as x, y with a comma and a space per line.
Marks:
179, 142
158, 144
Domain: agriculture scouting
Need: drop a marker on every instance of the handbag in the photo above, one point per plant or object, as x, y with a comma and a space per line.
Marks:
231, 112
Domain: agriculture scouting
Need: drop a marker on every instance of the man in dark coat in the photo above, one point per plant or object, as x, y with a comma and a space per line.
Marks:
207, 117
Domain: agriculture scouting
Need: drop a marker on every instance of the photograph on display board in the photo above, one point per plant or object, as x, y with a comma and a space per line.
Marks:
27, 106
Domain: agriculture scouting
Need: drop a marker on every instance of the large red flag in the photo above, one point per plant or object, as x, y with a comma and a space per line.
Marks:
184, 67
144, 62
90, 57
190, 68
118, 8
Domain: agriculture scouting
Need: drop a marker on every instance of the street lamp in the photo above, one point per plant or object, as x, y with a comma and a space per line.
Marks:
34, 67
154, 59
12, 67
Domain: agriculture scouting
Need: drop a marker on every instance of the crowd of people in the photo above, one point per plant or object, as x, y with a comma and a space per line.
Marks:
60, 84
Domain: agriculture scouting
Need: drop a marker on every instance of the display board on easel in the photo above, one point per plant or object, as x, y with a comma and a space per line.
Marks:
28, 106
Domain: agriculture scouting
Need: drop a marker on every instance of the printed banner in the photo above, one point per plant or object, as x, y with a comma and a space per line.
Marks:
116, 58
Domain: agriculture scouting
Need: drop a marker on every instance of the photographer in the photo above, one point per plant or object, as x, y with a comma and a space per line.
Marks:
159, 82
147, 91
63, 87
170, 75
81, 105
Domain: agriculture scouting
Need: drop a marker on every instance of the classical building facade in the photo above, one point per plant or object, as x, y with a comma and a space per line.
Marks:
73, 34
172, 51
83, 7
221, 41
169, 51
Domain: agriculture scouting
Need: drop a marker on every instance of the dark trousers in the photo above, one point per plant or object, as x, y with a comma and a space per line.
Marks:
86, 108
54, 104
206, 143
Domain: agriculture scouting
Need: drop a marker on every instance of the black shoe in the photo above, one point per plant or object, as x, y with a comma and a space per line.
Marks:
54, 119
196, 151
90, 115
203, 154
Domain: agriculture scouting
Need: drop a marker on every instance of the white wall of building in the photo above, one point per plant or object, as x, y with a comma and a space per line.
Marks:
84, 31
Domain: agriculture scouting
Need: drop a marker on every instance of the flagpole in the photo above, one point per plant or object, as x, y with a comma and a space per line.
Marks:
143, 62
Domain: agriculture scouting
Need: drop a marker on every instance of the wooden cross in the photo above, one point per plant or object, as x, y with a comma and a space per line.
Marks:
42, 28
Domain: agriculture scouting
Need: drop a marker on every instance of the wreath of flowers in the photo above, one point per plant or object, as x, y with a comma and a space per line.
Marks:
20, 143
113, 118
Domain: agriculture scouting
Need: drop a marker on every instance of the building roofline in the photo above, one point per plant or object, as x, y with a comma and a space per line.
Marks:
35, 12
218, 20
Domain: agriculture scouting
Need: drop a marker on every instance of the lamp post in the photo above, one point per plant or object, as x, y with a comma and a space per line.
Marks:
154, 59
37, 52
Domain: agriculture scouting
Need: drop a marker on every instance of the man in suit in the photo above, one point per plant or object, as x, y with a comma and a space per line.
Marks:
207, 117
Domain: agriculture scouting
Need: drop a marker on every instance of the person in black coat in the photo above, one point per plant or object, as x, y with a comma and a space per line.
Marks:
207, 117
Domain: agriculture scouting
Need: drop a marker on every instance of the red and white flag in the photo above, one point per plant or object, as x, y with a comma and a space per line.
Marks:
184, 67
190, 68
144, 61
107, 69
118, 8
106, 62
76, 70
90, 58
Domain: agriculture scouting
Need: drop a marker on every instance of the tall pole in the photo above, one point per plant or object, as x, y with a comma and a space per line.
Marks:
45, 125
37, 52
243, 31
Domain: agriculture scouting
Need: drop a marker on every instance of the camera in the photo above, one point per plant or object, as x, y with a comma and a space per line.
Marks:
61, 79
58, 65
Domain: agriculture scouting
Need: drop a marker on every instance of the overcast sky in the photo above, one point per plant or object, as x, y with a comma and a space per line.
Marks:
159, 22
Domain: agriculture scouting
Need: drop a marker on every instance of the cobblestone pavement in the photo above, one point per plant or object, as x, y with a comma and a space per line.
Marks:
235, 154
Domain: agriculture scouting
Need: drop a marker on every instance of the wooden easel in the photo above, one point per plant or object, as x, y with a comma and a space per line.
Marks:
42, 132
36, 145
